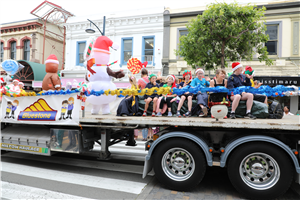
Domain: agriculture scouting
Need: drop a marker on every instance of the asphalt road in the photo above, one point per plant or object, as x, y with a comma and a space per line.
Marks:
72, 176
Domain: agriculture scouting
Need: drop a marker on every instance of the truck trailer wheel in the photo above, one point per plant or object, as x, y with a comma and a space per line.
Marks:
179, 164
260, 170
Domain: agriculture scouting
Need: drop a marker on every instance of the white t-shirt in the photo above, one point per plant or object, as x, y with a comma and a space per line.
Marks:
288, 113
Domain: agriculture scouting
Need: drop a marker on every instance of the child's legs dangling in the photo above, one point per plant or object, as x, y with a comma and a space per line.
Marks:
235, 102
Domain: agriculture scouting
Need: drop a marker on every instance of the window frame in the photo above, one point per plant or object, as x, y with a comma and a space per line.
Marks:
279, 39
15, 50
78, 53
177, 44
2, 51
122, 61
24, 49
143, 49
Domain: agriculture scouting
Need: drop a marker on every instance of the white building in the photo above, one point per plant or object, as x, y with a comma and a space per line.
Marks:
139, 34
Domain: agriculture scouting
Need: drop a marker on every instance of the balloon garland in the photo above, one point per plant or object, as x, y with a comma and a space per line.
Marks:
84, 92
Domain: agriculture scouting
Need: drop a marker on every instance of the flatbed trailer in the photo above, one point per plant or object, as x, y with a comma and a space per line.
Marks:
261, 156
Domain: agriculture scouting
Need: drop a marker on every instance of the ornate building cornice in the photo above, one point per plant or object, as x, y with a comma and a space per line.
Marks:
21, 27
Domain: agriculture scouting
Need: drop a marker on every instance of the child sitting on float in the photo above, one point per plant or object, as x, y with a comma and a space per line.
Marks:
219, 80
142, 82
187, 76
235, 80
202, 97
167, 99
153, 97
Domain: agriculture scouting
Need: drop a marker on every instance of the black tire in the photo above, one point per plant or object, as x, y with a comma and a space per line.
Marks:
187, 151
265, 184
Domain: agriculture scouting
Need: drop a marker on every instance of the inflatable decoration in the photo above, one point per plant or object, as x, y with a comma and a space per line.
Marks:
135, 65
11, 66
51, 80
100, 75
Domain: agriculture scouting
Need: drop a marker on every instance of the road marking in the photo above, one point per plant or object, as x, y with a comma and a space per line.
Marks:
136, 169
74, 178
15, 191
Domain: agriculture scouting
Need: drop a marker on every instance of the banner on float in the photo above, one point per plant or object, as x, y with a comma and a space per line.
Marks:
54, 109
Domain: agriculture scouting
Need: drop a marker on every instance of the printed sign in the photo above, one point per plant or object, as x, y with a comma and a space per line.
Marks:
24, 148
54, 109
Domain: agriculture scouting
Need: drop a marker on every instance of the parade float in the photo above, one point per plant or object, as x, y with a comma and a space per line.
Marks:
261, 156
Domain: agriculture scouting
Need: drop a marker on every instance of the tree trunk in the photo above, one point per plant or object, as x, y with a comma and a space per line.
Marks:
223, 55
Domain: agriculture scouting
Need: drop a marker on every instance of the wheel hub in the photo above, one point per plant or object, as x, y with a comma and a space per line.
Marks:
178, 164
259, 171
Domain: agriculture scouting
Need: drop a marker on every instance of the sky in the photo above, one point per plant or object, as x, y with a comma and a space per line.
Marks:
18, 10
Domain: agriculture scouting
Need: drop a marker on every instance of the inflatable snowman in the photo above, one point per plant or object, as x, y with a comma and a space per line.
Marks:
100, 75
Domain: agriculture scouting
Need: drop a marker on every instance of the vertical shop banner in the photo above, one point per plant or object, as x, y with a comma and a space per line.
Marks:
53, 109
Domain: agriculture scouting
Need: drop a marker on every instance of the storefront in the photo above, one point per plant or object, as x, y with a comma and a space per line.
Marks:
292, 101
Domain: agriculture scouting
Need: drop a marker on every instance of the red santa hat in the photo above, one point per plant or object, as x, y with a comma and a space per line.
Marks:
52, 59
102, 44
21, 83
16, 80
199, 70
2, 80
236, 65
174, 80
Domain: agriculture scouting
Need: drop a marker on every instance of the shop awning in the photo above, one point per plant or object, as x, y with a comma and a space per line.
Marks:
38, 70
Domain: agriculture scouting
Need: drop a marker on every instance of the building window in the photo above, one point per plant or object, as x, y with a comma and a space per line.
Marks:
80, 51
2, 52
272, 44
148, 49
181, 32
13, 50
126, 51
26, 50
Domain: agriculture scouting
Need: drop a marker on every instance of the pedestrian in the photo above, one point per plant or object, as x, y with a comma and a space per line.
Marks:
286, 110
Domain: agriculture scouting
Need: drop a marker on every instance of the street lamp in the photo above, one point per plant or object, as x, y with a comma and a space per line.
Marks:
90, 30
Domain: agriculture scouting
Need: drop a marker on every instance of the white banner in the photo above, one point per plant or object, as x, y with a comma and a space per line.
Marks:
54, 109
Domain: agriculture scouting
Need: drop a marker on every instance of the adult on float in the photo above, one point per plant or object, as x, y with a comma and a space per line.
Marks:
237, 79
187, 76
167, 99
129, 106
202, 97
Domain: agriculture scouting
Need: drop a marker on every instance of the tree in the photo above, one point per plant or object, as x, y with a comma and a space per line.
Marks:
225, 31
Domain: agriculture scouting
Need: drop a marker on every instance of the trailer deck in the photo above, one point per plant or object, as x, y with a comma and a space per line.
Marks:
286, 123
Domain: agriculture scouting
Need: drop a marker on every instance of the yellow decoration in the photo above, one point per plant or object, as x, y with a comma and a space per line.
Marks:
124, 92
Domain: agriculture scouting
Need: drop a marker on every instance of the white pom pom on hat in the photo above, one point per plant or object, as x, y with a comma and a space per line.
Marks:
52, 59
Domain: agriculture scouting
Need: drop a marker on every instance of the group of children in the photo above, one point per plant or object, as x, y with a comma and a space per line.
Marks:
14, 87
236, 79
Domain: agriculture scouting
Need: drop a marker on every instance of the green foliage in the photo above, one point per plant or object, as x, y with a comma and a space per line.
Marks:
225, 31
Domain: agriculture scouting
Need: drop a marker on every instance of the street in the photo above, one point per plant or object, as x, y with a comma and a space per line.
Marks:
72, 176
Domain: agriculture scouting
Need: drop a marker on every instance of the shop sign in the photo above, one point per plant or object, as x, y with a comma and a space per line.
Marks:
279, 80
